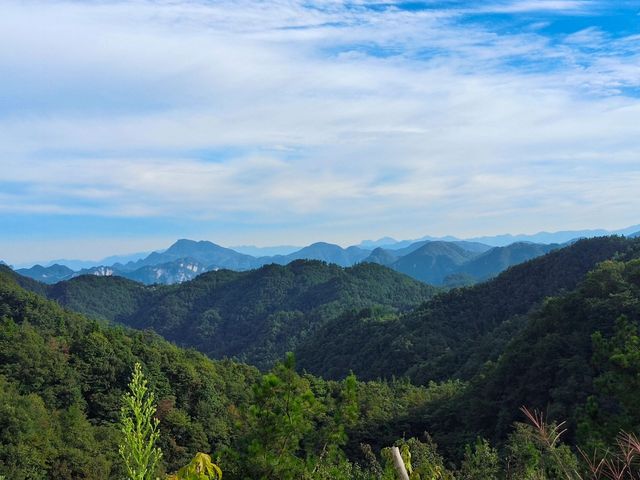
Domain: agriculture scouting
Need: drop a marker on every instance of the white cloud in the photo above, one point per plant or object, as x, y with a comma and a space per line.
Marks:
331, 113
558, 6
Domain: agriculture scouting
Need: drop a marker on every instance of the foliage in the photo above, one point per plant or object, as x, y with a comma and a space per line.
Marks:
481, 462
296, 427
139, 429
200, 468
255, 316
457, 332
62, 377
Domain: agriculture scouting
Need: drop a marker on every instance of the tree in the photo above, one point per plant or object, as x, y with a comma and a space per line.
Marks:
279, 420
139, 429
480, 463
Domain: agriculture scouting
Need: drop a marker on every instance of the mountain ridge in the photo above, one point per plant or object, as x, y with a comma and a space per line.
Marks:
185, 258
255, 316
437, 340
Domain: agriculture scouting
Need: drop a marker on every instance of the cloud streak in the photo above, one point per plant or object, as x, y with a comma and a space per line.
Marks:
252, 113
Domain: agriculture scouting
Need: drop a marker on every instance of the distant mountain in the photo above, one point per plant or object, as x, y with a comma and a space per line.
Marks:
100, 271
494, 261
382, 256
265, 251
402, 244
326, 252
77, 265
73, 264
255, 315
561, 237
53, 274
473, 247
202, 252
458, 263
168, 273
122, 259
634, 235
552, 237
447, 261
381, 242
433, 261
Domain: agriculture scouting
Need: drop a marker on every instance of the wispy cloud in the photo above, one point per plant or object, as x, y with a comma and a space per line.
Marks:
555, 6
335, 113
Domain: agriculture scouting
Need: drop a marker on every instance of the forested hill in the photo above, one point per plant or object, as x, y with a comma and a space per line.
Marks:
456, 332
577, 359
61, 381
62, 377
255, 316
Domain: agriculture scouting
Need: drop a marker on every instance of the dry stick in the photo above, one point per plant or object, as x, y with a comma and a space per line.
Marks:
399, 464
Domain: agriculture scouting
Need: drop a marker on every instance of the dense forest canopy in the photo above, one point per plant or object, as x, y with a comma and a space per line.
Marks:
255, 316
457, 331
568, 344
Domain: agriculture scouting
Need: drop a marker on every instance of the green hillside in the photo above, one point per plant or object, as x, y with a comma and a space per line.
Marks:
62, 377
576, 359
457, 331
254, 316
575, 356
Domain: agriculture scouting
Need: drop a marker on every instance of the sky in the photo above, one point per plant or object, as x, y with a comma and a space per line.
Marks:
125, 125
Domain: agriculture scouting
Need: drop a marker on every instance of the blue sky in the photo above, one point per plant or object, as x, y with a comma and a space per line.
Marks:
125, 125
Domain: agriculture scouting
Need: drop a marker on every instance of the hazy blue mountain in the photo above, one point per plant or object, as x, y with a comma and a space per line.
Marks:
458, 263
402, 244
122, 259
203, 252
327, 252
635, 235
53, 274
382, 256
381, 242
77, 265
433, 261
387, 256
390, 243
473, 247
168, 273
177, 271
266, 251
100, 271
552, 237
73, 264
494, 261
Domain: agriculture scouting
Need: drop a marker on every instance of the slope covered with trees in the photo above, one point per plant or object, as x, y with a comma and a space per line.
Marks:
255, 316
456, 332
62, 378
575, 356
576, 359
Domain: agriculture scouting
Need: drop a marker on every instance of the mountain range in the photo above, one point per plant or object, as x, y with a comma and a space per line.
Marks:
558, 332
435, 262
446, 261
506, 239
255, 315
315, 308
